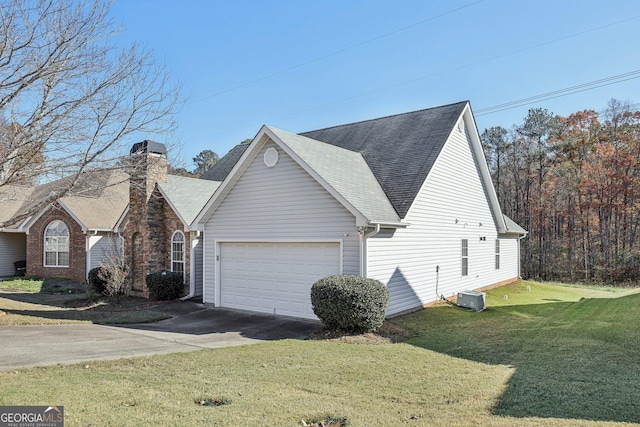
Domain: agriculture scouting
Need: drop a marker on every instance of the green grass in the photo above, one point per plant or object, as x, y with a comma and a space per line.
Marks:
574, 350
27, 284
32, 301
543, 357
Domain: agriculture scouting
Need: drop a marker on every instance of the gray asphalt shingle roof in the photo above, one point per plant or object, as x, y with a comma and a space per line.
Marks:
97, 201
346, 172
221, 169
400, 149
188, 195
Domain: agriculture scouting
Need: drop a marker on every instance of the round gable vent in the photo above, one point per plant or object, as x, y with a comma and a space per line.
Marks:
271, 157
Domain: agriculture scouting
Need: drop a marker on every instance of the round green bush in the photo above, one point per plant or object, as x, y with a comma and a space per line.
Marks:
97, 284
350, 303
165, 285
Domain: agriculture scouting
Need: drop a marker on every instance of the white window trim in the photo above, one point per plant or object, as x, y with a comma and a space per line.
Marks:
57, 252
184, 240
496, 263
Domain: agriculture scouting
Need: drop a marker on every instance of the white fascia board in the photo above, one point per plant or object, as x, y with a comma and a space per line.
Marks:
120, 220
476, 144
361, 220
23, 224
241, 165
27, 223
173, 208
383, 224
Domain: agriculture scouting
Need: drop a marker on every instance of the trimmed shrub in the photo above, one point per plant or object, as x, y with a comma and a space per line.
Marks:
96, 282
165, 285
350, 303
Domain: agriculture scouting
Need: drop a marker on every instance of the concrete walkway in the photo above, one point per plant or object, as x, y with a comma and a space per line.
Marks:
192, 327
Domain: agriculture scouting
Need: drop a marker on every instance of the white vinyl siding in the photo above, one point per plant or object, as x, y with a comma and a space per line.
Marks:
509, 253
282, 203
196, 259
102, 247
13, 248
450, 206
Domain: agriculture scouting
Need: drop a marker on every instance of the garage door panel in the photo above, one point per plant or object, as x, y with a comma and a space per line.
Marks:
267, 276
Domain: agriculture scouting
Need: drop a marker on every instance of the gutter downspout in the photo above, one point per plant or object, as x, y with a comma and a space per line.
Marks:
519, 262
192, 267
363, 247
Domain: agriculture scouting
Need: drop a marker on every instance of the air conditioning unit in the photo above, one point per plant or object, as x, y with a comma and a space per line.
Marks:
472, 300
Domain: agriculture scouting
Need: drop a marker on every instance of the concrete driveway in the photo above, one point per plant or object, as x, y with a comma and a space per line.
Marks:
192, 327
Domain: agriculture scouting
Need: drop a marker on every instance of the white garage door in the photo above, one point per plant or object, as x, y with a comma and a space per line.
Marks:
274, 277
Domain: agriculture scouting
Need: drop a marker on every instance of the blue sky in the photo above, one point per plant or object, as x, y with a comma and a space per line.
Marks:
304, 65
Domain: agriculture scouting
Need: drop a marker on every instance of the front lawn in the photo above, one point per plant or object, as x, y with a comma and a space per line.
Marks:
33, 301
542, 357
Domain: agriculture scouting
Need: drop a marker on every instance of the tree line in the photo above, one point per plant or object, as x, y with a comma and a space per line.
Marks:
574, 183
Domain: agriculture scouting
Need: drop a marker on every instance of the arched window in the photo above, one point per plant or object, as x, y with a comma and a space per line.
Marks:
177, 252
56, 245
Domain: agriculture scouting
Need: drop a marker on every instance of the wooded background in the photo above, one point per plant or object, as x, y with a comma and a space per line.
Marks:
574, 183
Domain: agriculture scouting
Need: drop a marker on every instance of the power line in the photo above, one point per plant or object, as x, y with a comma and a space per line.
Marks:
559, 93
337, 52
607, 81
456, 69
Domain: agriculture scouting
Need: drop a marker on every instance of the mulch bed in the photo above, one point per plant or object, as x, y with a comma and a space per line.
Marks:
388, 333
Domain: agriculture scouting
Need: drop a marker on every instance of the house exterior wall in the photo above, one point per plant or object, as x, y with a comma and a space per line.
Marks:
281, 203
77, 247
451, 206
101, 247
13, 248
197, 244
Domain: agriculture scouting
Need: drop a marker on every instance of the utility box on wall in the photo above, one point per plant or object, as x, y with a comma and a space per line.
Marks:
472, 300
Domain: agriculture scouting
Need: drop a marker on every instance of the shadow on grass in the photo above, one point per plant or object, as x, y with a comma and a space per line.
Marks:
573, 360
75, 306
183, 317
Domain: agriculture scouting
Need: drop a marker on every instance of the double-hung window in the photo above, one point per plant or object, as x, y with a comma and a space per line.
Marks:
497, 254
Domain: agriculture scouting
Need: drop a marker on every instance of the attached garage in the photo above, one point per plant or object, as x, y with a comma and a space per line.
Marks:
275, 277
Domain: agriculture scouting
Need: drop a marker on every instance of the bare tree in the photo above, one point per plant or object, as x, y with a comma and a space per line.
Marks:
71, 100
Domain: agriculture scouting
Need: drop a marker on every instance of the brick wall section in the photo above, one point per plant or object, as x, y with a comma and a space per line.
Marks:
77, 247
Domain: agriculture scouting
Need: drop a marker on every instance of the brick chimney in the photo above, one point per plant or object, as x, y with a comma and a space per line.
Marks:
144, 232
149, 165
